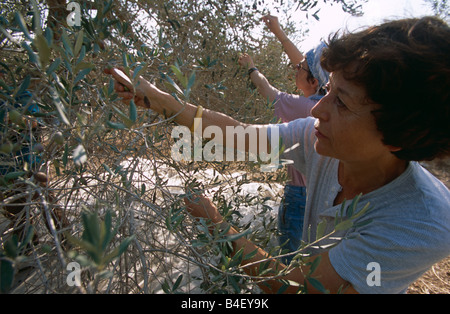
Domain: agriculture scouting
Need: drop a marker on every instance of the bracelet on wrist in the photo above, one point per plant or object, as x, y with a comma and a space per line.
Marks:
251, 70
195, 123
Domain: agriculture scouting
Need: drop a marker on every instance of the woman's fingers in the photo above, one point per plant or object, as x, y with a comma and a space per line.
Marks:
200, 206
122, 81
120, 77
244, 59
125, 95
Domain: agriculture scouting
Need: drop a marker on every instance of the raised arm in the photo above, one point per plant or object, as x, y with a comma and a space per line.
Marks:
262, 84
291, 50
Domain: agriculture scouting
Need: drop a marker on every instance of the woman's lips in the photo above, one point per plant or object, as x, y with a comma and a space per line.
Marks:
319, 134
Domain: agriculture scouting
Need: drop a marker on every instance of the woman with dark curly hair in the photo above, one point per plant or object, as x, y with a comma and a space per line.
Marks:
387, 107
404, 68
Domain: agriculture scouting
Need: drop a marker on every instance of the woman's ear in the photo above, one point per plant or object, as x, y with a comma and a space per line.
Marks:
394, 149
314, 84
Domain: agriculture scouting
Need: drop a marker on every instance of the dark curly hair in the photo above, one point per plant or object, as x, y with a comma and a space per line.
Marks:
404, 66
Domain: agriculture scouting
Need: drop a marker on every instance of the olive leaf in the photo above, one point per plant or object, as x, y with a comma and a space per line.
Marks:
96, 240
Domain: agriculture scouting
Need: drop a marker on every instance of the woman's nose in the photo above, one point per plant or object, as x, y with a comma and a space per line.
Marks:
319, 111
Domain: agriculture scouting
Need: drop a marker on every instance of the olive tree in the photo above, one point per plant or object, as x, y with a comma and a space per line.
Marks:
91, 200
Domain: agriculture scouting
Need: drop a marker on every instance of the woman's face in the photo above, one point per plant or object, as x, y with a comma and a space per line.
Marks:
308, 87
345, 126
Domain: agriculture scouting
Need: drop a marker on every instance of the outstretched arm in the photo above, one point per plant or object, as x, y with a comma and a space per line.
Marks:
292, 51
262, 84
149, 96
202, 207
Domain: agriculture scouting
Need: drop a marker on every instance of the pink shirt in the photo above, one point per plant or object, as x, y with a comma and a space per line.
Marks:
289, 107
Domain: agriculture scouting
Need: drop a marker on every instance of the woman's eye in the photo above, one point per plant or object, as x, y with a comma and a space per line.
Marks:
340, 103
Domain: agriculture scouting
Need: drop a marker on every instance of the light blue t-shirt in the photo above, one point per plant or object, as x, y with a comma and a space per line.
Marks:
409, 227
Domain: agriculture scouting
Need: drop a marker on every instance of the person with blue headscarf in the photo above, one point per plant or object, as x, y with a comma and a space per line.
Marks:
311, 79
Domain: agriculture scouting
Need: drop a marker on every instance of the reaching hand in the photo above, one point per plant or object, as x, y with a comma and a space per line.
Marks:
202, 207
246, 61
272, 23
125, 88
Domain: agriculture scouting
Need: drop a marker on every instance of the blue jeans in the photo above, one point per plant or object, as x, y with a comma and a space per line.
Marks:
290, 218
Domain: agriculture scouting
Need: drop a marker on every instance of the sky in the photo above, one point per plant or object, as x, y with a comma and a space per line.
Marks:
333, 18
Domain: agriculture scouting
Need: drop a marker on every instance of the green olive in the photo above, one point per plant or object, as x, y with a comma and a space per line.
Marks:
16, 117
6, 147
58, 137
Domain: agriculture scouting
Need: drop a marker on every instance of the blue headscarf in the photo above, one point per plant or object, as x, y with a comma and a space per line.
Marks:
313, 59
